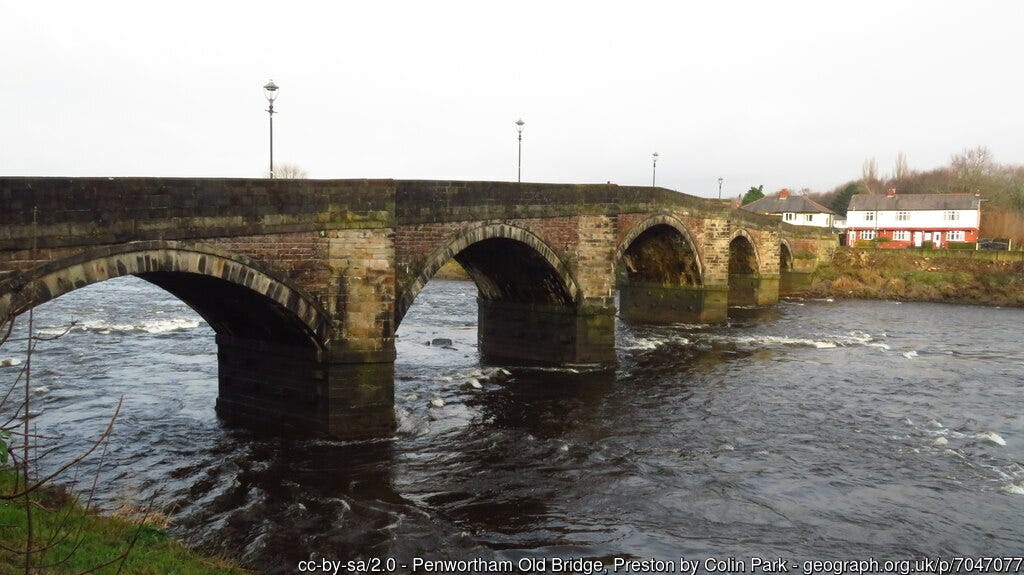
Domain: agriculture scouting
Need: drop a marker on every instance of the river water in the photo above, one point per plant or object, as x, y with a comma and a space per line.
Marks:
812, 430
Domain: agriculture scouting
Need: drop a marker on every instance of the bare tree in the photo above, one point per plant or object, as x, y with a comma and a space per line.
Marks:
290, 172
971, 167
901, 170
26, 449
869, 173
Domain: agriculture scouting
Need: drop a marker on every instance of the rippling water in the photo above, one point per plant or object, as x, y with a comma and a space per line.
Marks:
815, 430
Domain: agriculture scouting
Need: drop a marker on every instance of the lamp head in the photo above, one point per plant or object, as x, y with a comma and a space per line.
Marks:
270, 91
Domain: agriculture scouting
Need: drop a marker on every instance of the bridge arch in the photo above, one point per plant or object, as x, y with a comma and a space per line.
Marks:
743, 255
744, 270
234, 294
660, 248
485, 251
785, 256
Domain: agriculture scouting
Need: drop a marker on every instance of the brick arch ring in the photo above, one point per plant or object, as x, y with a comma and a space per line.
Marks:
649, 222
36, 286
753, 246
469, 236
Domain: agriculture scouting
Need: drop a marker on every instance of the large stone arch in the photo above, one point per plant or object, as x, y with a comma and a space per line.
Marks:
742, 233
467, 237
197, 274
652, 221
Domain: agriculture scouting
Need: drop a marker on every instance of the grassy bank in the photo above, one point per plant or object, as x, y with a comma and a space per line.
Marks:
920, 275
92, 539
452, 271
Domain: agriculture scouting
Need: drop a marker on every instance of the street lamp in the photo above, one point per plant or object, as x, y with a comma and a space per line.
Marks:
720, 180
519, 128
270, 91
654, 167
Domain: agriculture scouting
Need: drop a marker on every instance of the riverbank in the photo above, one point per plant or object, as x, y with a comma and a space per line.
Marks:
452, 271
948, 276
92, 539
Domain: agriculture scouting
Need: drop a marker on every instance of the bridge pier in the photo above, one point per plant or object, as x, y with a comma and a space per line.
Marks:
265, 385
544, 333
657, 303
794, 281
753, 290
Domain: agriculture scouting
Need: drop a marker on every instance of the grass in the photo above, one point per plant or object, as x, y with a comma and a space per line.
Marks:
913, 275
93, 539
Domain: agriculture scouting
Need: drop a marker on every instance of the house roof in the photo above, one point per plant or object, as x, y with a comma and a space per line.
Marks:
869, 202
795, 204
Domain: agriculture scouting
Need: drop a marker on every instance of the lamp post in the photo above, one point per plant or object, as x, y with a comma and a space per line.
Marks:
270, 91
519, 170
720, 180
654, 168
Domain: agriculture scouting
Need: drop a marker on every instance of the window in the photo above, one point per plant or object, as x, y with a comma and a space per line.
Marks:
869, 216
788, 216
902, 216
808, 217
867, 235
951, 215
901, 236
955, 236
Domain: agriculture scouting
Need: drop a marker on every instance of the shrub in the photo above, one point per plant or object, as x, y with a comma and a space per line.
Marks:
962, 246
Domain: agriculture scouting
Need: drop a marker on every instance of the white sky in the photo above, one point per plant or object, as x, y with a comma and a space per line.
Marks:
793, 94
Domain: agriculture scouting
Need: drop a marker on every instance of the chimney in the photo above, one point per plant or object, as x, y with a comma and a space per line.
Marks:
783, 193
891, 193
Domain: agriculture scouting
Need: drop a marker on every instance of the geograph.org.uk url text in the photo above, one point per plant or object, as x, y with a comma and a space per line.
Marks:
683, 565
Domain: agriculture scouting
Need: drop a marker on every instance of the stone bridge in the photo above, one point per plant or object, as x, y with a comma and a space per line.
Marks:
306, 281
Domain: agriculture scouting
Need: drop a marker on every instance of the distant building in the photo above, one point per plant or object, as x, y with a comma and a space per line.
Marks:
796, 210
912, 219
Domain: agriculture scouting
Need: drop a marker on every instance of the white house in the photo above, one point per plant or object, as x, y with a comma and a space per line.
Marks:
796, 210
900, 221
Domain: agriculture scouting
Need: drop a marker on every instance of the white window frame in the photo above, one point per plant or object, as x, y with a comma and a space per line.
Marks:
901, 236
788, 217
955, 236
808, 217
867, 234
869, 216
903, 216
951, 215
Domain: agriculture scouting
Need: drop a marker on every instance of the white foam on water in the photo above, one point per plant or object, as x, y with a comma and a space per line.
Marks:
1012, 489
934, 424
879, 345
940, 442
10, 362
991, 436
644, 343
910, 354
156, 326
783, 341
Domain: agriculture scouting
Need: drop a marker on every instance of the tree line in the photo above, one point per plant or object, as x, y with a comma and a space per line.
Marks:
974, 170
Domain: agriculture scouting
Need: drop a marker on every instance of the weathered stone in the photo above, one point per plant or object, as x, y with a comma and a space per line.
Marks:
306, 281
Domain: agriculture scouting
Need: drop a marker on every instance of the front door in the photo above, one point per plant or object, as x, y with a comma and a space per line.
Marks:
937, 238
917, 239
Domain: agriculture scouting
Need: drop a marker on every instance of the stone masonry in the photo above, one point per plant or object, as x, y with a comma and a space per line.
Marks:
306, 281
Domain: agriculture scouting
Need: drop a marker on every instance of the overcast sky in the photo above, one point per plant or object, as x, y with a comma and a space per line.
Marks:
785, 94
